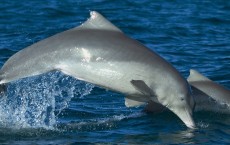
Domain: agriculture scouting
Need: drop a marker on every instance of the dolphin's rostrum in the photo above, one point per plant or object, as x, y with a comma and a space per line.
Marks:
100, 53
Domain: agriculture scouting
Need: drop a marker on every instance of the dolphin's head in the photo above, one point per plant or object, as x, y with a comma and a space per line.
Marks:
182, 104
183, 108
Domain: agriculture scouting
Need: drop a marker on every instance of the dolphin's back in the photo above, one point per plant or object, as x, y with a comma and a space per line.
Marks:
99, 57
205, 86
85, 52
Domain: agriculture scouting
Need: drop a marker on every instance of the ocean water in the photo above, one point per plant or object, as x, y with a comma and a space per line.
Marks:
57, 109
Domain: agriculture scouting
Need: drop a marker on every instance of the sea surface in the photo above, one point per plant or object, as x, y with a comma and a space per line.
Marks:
57, 109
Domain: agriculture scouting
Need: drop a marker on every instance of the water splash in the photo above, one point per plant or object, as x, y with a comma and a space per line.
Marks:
35, 102
106, 123
202, 124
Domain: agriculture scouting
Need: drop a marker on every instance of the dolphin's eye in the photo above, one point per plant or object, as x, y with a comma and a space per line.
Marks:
182, 99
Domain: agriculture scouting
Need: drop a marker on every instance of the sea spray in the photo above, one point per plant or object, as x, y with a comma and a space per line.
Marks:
35, 102
95, 124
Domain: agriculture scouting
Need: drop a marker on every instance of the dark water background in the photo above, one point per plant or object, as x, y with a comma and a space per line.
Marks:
57, 109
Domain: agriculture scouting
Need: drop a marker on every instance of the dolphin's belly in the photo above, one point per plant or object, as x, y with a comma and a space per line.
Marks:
113, 75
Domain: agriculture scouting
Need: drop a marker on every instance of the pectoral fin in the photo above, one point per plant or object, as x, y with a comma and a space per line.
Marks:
132, 103
135, 101
142, 87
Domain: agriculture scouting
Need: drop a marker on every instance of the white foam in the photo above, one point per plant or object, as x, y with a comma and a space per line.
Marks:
33, 102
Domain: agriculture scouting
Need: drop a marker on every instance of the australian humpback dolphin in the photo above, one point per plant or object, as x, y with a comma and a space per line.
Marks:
208, 95
203, 87
100, 53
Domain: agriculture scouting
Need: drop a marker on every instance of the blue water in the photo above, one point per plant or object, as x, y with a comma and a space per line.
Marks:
57, 109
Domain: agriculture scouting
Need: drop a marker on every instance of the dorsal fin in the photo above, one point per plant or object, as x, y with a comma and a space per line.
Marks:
196, 76
97, 21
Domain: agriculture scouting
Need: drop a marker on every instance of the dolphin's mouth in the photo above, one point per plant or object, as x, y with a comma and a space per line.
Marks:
188, 120
186, 117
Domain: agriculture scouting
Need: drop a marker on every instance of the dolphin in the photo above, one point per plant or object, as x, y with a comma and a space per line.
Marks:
100, 53
205, 89
208, 95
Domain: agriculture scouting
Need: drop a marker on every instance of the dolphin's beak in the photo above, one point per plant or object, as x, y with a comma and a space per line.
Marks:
186, 117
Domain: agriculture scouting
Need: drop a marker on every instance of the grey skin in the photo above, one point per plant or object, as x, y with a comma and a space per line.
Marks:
204, 89
98, 52
208, 95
